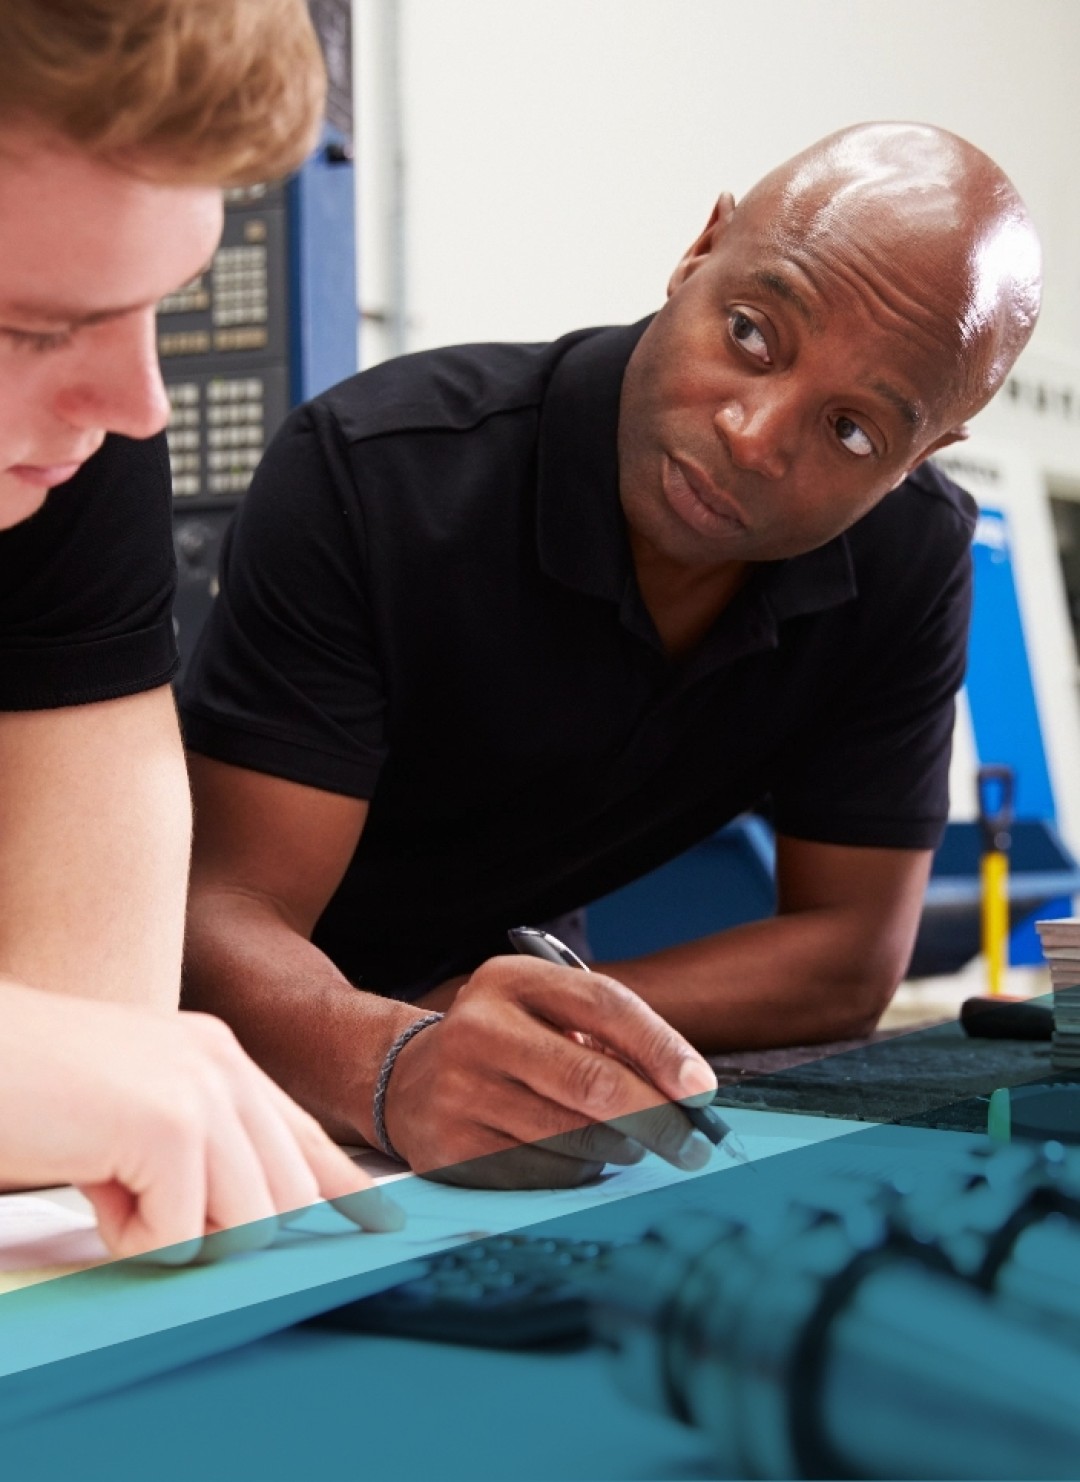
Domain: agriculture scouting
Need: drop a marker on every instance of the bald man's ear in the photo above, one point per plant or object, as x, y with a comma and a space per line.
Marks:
715, 228
956, 435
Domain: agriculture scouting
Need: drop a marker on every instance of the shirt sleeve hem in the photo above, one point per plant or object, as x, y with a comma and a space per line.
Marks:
868, 833
53, 678
275, 757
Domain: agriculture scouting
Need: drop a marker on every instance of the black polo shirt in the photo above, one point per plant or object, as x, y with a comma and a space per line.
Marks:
87, 584
429, 601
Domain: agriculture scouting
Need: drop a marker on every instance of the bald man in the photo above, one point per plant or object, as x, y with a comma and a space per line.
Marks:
505, 626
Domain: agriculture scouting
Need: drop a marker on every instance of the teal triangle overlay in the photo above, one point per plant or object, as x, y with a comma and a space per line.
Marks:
310, 1404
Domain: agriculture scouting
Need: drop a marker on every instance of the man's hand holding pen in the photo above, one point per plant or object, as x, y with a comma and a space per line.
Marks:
501, 1075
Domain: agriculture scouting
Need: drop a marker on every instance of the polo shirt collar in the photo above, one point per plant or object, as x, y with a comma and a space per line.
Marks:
810, 583
582, 536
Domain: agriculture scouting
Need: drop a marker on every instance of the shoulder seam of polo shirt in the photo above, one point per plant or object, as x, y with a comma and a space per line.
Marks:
385, 412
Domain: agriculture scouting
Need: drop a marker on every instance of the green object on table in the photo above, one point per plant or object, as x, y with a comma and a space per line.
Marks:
999, 1115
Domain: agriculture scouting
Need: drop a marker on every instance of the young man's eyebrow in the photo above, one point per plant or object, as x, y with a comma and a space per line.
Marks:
53, 313
71, 317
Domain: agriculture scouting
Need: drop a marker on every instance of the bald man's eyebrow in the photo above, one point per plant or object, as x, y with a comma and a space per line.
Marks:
911, 414
774, 283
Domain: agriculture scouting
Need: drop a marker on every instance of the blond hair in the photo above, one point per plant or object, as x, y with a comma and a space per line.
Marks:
224, 92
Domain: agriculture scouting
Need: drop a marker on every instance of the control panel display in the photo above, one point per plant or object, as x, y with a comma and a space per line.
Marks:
223, 345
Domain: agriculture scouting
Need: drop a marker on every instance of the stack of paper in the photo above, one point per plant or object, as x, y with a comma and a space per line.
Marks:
1061, 948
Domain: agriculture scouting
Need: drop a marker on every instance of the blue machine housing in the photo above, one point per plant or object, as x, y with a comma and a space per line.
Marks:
320, 210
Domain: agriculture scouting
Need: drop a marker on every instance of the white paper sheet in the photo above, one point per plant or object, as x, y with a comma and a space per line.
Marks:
38, 1234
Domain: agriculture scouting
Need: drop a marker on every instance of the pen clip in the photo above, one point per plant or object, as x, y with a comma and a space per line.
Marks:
535, 942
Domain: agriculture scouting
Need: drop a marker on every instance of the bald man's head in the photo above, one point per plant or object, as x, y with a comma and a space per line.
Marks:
821, 339
936, 213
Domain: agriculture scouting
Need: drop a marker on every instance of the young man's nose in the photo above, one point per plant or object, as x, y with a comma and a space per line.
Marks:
117, 386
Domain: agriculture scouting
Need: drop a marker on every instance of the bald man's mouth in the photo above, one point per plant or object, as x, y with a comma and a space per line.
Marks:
693, 496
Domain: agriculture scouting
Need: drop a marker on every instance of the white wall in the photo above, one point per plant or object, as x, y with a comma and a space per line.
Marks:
560, 154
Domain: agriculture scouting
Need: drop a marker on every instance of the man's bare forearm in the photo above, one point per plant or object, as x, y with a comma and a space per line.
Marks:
319, 1037
797, 979
94, 849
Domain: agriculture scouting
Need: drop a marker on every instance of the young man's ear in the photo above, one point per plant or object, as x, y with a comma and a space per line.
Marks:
699, 250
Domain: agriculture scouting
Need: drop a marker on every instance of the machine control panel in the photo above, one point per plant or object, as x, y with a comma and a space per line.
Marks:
223, 345
271, 322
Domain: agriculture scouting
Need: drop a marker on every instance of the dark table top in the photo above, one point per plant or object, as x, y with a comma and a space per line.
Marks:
935, 1077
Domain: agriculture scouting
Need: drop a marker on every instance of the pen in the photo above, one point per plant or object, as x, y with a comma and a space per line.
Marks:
534, 942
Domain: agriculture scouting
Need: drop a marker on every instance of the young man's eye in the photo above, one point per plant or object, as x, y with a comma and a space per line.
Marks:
853, 437
745, 332
25, 339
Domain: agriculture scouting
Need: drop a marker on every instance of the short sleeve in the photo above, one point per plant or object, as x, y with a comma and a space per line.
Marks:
286, 678
874, 770
87, 585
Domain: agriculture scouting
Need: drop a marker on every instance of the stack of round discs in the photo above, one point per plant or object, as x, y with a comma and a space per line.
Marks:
1061, 948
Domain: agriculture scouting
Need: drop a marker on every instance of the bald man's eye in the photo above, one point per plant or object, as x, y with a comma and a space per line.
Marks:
746, 333
853, 437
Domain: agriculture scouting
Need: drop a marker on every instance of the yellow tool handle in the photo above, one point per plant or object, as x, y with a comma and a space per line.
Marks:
994, 870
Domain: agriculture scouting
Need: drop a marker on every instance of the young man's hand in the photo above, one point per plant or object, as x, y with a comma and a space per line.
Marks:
183, 1145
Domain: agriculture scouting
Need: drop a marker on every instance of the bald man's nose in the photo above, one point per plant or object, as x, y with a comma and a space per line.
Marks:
118, 387
758, 432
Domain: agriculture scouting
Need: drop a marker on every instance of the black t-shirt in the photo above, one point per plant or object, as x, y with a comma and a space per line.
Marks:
87, 584
429, 601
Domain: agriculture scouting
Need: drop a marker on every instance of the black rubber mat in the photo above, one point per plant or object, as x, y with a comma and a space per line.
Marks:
935, 1077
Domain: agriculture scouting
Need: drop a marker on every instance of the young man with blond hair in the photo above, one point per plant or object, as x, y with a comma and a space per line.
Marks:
121, 121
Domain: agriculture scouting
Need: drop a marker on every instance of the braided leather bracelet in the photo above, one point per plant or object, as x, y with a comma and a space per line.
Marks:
379, 1107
